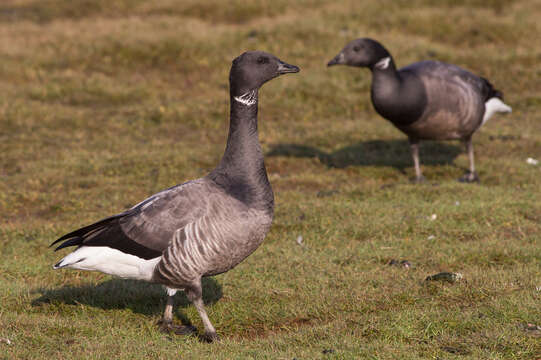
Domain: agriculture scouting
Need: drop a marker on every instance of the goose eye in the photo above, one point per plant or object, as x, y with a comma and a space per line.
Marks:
356, 48
262, 60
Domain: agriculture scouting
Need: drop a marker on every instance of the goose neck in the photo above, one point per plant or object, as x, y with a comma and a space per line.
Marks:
242, 170
385, 80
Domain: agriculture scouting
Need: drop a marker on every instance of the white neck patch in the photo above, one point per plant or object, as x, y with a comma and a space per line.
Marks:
248, 99
383, 63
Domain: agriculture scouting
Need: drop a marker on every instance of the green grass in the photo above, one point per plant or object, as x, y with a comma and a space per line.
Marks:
106, 102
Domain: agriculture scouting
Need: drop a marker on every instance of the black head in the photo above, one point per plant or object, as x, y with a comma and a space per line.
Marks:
362, 52
254, 68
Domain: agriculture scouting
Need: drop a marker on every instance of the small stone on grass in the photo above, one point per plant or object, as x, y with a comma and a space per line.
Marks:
402, 263
445, 276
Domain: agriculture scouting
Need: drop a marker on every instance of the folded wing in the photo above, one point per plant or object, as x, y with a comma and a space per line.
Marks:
146, 229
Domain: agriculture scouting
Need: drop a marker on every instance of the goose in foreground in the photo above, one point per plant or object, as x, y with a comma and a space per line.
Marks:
200, 228
427, 100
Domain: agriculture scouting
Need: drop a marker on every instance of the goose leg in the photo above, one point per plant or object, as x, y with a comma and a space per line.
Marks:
470, 176
168, 313
195, 295
166, 323
414, 146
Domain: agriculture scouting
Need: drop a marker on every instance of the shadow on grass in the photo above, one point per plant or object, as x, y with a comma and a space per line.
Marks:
138, 296
395, 153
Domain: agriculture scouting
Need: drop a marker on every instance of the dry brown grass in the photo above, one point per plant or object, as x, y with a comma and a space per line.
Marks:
106, 102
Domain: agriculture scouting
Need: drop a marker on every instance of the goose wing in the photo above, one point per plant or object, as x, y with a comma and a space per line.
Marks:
445, 73
146, 229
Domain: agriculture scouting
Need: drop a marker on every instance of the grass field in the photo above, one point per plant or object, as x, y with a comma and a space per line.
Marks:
105, 102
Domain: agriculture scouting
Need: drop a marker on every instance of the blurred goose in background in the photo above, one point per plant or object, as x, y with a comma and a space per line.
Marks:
200, 228
427, 100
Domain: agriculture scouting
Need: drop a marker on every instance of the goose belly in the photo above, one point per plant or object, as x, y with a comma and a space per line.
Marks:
198, 250
442, 125
234, 255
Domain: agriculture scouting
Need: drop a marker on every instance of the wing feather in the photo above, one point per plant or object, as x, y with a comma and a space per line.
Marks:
447, 72
146, 229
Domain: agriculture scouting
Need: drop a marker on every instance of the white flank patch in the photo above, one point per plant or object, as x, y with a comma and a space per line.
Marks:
492, 106
170, 291
109, 261
383, 63
247, 99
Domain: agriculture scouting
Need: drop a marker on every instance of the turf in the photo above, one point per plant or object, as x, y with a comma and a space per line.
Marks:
106, 102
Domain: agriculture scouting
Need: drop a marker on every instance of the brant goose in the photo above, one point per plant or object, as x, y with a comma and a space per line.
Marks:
427, 100
200, 228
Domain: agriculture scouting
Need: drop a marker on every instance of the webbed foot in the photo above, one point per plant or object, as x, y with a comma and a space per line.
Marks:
166, 326
210, 337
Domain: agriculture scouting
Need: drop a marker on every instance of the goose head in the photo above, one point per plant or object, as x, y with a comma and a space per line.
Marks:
362, 52
252, 69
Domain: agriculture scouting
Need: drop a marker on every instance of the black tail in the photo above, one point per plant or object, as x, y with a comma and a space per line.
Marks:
78, 236
108, 232
491, 91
